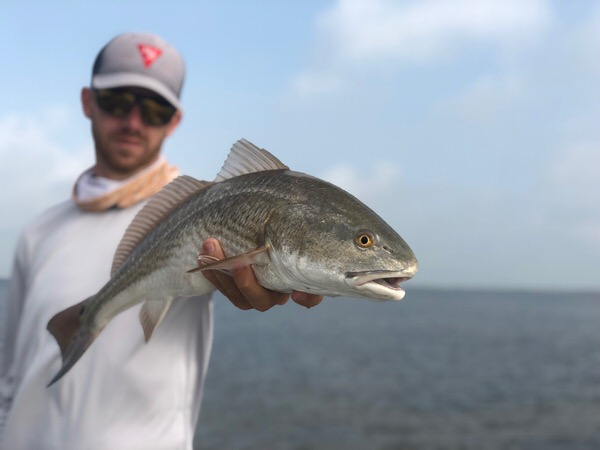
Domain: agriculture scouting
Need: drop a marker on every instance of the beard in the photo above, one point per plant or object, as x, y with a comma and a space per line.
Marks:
125, 151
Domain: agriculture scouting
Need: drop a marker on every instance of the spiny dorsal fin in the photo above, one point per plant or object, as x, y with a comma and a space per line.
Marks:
154, 212
245, 157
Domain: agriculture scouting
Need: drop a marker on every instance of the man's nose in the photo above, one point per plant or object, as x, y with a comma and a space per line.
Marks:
134, 118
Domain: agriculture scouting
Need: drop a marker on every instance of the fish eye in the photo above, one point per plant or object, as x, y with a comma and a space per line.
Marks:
364, 239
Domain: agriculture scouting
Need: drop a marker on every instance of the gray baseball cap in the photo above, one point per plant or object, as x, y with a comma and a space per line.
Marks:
142, 60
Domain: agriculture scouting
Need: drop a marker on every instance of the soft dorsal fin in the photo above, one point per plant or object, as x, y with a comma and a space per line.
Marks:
245, 157
154, 212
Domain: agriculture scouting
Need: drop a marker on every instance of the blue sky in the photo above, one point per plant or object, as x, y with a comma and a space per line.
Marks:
470, 126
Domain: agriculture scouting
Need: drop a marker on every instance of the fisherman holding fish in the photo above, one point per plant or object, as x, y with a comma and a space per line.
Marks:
126, 393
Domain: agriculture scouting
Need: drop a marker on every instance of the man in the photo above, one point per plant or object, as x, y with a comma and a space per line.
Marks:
124, 394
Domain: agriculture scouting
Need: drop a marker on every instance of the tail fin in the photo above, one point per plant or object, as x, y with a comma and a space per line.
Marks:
73, 336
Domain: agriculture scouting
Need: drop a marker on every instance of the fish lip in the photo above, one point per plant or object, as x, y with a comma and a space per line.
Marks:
390, 279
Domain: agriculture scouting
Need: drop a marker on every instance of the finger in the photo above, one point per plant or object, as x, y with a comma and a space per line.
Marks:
224, 283
308, 300
212, 248
239, 301
242, 290
234, 295
260, 298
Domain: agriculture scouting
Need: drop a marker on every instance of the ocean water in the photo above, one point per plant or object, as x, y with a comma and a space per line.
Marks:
442, 369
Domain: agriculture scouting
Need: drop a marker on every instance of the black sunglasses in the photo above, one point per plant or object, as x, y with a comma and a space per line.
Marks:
155, 111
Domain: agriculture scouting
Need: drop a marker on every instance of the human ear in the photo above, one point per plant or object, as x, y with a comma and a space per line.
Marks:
86, 101
175, 120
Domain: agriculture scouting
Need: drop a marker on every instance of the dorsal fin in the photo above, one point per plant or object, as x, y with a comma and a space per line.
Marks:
245, 157
158, 207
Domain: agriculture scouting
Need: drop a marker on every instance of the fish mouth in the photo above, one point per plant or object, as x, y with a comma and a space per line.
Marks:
382, 284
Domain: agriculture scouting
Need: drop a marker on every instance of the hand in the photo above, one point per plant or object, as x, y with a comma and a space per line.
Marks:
243, 290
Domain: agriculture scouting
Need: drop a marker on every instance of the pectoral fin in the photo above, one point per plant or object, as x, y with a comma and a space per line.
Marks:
152, 313
203, 261
258, 256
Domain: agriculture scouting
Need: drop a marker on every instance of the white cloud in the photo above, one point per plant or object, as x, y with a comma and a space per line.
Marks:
587, 42
369, 184
311, 84
588, 231
34, 167
377, 29
573, 185
372, 34
577, 173
489, 96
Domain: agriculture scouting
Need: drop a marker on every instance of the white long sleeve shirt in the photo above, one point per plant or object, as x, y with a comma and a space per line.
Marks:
122, 393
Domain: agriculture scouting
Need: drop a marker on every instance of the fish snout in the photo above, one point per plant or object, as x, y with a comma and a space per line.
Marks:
410, 268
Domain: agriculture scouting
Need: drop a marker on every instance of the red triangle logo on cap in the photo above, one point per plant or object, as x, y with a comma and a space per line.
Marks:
149, 54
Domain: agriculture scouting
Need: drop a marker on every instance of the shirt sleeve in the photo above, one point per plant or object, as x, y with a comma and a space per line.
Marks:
11, 314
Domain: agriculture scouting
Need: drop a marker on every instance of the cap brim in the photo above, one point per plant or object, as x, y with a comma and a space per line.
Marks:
115, 80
